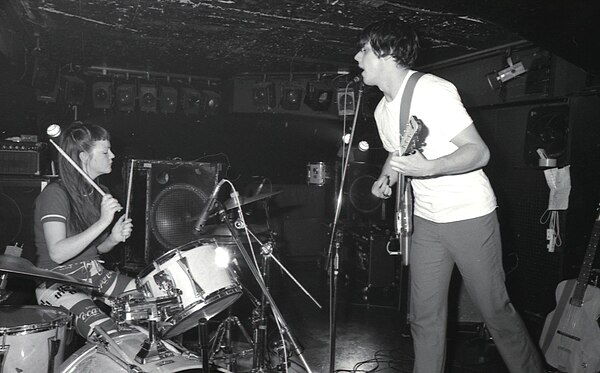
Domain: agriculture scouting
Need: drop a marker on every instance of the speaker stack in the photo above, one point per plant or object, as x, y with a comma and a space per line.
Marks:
166, 199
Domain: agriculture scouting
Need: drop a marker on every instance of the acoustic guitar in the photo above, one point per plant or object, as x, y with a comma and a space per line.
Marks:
409, 142
570, 340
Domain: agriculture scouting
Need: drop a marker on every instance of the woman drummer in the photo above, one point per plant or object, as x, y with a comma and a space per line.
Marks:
74, 223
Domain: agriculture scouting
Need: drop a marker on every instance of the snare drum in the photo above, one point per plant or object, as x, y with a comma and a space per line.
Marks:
33, 338
120, 356
189, 271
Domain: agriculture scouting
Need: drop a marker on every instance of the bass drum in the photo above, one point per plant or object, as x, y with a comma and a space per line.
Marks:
119, 356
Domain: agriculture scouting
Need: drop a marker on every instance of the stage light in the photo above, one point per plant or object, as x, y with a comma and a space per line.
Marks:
168, 99
497, 78
102, 95
74, 90
318, 96
148, 98
125, 96
263, 95
191, 100
291, 95
345, 101
211, 102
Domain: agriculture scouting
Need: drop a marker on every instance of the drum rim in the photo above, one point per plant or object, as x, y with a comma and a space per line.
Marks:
225, 292
63, 318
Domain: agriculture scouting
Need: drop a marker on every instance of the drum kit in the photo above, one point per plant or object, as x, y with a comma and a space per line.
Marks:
182, 289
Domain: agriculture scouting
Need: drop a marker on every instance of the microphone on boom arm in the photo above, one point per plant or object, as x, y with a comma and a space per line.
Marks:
208, 207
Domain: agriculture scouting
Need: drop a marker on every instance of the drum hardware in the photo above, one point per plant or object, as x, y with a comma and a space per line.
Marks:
222, 341
153, 347
259, 279
133, 307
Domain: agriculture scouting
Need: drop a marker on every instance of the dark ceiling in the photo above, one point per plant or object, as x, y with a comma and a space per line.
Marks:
221, 38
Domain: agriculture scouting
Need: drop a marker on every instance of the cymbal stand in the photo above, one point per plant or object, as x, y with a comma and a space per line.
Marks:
283, 327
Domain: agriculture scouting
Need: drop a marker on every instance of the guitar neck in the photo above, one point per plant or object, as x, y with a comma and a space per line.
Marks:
586, 267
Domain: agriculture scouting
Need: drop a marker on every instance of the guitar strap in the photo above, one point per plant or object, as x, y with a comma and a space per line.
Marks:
407, 99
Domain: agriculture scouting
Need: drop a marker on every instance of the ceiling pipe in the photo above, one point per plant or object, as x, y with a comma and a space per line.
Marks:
104, 70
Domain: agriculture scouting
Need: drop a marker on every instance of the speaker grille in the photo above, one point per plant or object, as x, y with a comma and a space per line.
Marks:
174, 212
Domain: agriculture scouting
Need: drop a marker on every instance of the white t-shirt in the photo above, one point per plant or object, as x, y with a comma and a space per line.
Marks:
440, 199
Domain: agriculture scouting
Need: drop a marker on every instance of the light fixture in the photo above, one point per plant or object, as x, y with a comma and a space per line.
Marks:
148, 98
74, 90
190, 101
125, 97
318, 96
345, 101
291, 95
168, 99
211, 102
263, 95
102, 94
497, 78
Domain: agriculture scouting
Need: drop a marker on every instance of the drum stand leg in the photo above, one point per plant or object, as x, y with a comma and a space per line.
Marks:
152, 348
222, 340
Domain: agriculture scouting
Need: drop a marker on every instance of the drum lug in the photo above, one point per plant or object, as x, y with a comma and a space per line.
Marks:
183, 263
3, 352
53, 348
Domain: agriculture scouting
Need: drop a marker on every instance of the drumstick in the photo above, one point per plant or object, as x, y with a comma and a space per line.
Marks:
54, 131
129, 190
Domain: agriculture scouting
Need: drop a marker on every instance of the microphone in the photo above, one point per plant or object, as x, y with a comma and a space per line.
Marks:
210, 203
358, 79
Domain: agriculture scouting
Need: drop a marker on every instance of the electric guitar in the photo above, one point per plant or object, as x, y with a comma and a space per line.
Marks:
409, 142
570, 339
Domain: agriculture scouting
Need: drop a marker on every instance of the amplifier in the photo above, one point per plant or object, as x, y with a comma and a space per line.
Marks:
20, 158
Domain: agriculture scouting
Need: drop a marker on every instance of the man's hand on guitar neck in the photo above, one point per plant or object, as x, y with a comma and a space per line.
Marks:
412, 165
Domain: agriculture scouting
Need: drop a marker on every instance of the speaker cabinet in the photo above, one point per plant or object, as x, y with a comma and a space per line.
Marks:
166, 199
522, 193
359, 204
17, 201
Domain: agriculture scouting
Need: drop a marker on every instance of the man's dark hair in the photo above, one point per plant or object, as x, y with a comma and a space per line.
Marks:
392, 37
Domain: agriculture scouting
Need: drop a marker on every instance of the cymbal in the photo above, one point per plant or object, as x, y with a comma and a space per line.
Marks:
222, 230
230, 203
23, 267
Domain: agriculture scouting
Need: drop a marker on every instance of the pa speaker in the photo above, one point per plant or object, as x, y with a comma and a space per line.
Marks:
547, 135
17, 200
360, 204
167, 197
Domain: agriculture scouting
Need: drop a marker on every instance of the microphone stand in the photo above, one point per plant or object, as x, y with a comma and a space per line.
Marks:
255, 272
333, 255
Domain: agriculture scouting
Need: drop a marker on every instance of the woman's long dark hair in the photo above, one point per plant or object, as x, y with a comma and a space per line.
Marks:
84, 199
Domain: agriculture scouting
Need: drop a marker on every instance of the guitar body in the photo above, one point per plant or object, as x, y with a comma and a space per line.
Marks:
570, 339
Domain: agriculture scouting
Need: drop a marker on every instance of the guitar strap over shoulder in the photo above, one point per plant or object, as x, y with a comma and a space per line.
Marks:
407, 99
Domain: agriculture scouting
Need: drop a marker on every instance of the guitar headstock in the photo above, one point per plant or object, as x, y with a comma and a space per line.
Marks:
412, 137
